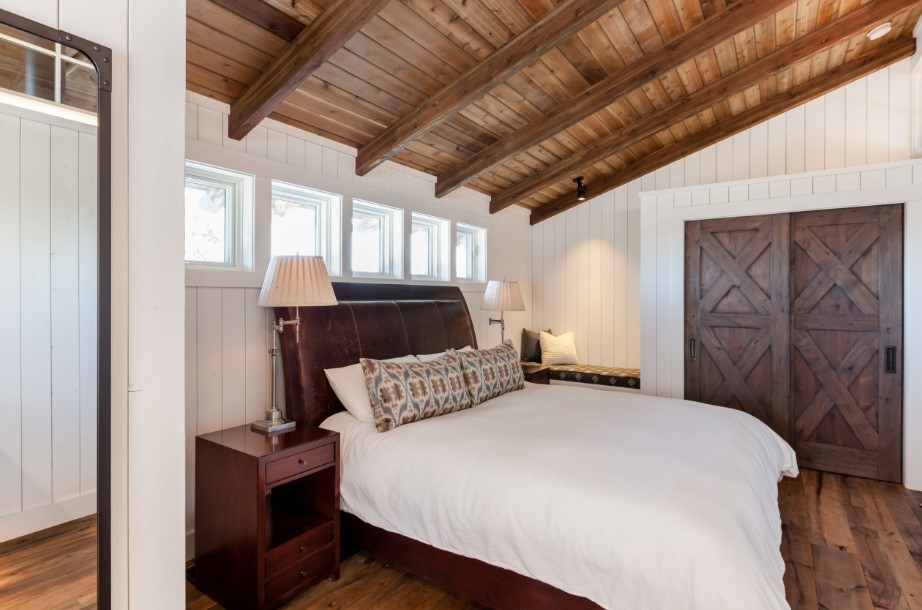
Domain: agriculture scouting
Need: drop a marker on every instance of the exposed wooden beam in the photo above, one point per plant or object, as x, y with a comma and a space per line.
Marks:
555, 27
738, 16
802, 48
339, 22
800, 94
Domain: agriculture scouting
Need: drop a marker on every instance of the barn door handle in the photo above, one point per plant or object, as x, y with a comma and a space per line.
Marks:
891, 360
692, 350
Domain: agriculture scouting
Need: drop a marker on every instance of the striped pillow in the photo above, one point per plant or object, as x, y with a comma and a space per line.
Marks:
558, 350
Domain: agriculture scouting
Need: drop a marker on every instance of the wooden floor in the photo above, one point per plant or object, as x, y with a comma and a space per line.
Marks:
53, 568
847, 543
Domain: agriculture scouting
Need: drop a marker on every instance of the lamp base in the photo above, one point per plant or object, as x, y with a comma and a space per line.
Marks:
273, 423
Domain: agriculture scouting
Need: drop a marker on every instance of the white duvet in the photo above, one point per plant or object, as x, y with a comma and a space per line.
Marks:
631, 501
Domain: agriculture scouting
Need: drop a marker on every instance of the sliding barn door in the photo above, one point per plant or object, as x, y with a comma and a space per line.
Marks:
846, 331
736, 303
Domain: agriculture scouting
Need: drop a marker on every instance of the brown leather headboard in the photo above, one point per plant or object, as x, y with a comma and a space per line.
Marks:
371, 321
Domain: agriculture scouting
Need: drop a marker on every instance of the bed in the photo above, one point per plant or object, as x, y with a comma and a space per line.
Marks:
549, 496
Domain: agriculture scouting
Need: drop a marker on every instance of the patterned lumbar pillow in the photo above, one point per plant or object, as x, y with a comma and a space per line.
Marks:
405, 392
491, 372
558, 350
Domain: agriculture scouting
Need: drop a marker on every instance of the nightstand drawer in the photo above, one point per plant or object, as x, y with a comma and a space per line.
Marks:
290, 552
298, 463
304, 572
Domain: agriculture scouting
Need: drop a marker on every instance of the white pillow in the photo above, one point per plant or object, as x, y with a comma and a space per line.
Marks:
431, 357
558, 350
348, 383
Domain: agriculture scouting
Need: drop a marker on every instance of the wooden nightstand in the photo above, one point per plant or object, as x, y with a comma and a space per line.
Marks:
537, 373
266, 514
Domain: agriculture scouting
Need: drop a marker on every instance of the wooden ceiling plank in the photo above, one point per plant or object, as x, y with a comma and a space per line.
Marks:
835, 78
558, 25
741, 15
339, 22
266, 16
822, 39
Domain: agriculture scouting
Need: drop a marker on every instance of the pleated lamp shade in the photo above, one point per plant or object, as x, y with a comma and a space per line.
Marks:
503, 296
294, 281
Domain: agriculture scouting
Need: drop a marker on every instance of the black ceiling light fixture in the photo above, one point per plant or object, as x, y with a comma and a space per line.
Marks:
580, 189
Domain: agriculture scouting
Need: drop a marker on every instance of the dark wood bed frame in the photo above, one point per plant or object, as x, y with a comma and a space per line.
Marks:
387, 321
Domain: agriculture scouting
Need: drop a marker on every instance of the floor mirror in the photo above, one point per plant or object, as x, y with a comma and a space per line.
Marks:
54, 317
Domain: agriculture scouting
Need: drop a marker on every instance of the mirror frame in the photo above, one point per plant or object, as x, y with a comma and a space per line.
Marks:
101, 57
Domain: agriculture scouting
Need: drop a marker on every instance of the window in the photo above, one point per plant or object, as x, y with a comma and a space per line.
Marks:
305, 221
376, 239
428, 247
214, 200
470, 253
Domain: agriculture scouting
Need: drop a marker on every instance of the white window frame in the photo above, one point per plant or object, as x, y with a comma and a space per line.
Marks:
329, 210
392, 238
439, 256
477, 262
238, 224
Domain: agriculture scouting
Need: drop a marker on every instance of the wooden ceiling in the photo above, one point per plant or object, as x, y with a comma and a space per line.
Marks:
515, 98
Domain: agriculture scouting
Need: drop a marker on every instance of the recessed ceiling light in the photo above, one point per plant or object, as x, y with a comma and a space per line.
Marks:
880, 31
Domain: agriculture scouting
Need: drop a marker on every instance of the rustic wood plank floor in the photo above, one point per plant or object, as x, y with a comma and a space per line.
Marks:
847, 543
53, 568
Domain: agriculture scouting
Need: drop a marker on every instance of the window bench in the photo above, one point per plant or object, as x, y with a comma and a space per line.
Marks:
604, 376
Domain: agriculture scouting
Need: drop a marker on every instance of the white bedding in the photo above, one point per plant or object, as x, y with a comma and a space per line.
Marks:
631, 501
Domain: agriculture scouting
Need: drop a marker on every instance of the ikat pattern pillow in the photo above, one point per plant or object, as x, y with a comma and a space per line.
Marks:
405, 392
488, 373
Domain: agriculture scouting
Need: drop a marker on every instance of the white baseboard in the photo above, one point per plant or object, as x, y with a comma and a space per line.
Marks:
42, 517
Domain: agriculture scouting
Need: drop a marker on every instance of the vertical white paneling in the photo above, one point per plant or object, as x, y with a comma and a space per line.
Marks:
549, 307
622, 285
210, 385
35, 314
560, 274
228, 142
584, 278
537, 279
65, 315
609, 279
693, 169
277, 146
10, 332
835, 128
758, 151
596, 279
899, 107
257, 142
796, 139
724, 161
191, 331
257, 357
633, 275
741, 143
856, 123
777, 145
297, 151
878, 117
89, 310
709, 165
815, 135
572, 272
233, 356
210, 127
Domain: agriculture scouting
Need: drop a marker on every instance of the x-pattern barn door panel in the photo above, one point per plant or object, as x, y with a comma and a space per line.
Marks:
789, 317
737, 316
846, 280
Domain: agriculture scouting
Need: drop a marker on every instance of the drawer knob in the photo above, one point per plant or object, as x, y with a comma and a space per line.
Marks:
301, 548
302, 574
301, 461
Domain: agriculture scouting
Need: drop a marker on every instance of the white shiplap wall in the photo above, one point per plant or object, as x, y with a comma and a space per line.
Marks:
227, 335
586, 273
47, 321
